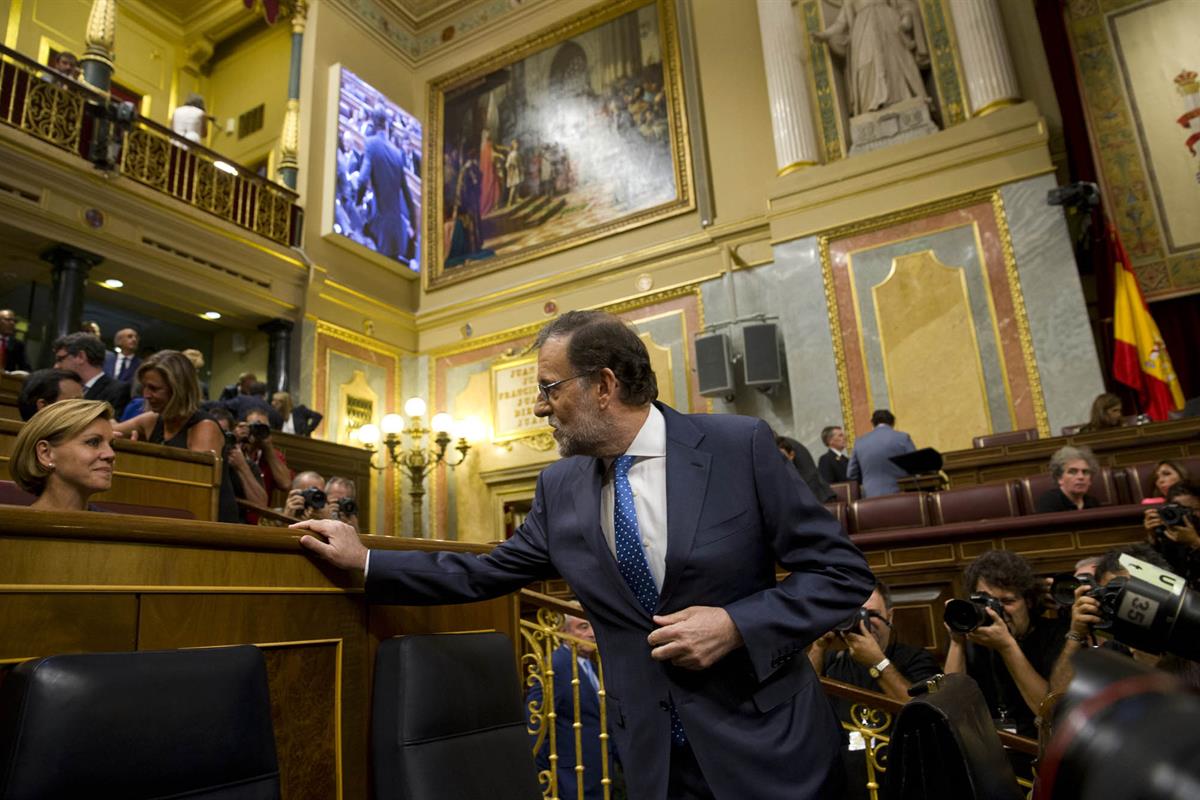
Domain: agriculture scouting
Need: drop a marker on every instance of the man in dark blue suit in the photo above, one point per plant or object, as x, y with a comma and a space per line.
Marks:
582, 647
122, 363
383, 165
668, 528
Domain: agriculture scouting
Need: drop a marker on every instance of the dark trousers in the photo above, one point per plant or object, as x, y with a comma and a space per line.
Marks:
686, 781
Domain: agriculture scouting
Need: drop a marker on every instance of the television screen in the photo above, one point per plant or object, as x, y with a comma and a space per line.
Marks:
378, 188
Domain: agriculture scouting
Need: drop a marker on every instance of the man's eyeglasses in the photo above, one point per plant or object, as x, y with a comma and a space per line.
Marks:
544, 389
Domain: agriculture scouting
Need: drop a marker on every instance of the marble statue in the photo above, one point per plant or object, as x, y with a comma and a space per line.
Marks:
883, 43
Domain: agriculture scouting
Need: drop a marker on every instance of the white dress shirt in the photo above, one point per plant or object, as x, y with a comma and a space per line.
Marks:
648, 480
87, 386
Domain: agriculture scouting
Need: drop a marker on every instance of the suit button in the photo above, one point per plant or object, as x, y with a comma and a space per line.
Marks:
664, 705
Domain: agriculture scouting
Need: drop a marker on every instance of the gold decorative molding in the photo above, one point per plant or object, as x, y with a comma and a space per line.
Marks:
839, 349
101, 32
289, 139
299, 17
795, 166
996, 105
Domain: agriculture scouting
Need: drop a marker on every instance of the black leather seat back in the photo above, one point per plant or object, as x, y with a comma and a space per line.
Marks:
178, 723
944, 747
447, 720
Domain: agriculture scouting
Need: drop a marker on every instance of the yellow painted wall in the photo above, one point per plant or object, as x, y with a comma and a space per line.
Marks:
256, 72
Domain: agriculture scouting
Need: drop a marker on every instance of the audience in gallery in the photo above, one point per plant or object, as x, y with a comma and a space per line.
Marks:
1011, 656
46, 386
802, 460
253, 435
122, 361
12, 349
63, 455
83, 354
244, 382
172, 393
247, 480
67, 64
254, 398
299, 420
833, 462
1073, 469
871, 463
190, 120
92, 327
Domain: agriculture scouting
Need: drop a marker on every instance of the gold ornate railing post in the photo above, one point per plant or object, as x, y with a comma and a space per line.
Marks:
101, 35
289, 140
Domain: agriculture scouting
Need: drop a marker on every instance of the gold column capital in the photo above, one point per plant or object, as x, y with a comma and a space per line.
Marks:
289, 140
299, 16
102, 30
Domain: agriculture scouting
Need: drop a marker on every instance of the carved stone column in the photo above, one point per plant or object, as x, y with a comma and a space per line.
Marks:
796, 143
279, 354
987, 67
97, 59
289, 140
69, 281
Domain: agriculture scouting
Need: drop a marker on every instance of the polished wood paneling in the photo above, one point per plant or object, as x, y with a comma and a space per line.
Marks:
77, 582
328, 459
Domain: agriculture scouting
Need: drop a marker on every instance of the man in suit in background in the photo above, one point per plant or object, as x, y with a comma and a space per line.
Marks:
871, 464
122, 363
12, 349
83, 353
667, 527
833, 462
383, 166
584, 639
244, 382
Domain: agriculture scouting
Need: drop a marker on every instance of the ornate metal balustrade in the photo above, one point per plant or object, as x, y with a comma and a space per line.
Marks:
73, 116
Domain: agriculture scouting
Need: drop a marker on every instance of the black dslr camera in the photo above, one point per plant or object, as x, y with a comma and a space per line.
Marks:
346, 507
964, 616
259, 431
1063, 587
851, 624
314, 498
1182, 558
1152, 610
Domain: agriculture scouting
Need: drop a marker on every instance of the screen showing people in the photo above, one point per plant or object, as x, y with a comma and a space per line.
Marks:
378, 187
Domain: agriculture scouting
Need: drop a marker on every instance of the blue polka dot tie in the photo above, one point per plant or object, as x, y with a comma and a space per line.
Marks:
631, 557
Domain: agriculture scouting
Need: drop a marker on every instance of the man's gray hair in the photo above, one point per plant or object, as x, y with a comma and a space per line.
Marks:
1064, 455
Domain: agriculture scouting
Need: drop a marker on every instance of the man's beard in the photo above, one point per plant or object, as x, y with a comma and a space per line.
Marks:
584, 437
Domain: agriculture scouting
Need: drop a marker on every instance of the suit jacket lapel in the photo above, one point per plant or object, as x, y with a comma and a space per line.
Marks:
687, 483
587, 508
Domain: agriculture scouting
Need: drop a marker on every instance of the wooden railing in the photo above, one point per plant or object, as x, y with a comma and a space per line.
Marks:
78, 118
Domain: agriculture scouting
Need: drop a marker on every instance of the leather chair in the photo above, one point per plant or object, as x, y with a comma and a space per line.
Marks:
1071, 430
447, 720
846, 491
1140, 477
972, 503
176, 723
13, 495
944, 747
838, 509
1033, 487
1005, 437
903, 510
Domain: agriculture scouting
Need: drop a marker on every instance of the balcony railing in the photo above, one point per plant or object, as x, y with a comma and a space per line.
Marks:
81, 120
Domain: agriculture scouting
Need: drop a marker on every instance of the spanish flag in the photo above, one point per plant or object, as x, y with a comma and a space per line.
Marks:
1140, 358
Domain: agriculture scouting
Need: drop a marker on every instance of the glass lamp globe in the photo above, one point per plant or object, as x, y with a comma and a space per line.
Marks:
442, 423
368, 434
392, 423
415, 407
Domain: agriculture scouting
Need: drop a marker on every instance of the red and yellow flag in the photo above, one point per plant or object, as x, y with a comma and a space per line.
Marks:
1140, 358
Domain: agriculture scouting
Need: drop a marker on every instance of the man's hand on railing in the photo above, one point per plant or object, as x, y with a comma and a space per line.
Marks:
341, 546
694, 638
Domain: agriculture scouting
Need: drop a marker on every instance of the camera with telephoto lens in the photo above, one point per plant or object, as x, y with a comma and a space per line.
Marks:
1152, 610
1182, 558
851, 624
314, 498
964, 616
1063, 586
259, 431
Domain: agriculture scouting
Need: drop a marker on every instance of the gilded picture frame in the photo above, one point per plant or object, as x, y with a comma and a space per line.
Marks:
570, 135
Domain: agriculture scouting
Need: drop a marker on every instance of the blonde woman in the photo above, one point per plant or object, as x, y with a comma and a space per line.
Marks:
172, 394
64, 454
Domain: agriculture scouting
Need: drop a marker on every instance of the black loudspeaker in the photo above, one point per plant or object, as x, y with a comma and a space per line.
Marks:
714, 367
760, 344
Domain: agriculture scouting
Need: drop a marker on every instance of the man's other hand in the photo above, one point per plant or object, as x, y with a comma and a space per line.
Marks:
341, 546
694, 638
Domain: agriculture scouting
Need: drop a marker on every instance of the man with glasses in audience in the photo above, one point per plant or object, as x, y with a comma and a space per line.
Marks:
668, 528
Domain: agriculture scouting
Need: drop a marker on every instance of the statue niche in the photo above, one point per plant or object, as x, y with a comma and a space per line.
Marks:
883, 48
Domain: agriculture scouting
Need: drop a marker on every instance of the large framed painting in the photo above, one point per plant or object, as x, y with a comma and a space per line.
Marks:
575, 133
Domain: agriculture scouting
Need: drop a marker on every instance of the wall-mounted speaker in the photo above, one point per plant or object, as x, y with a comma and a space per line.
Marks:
714, 366
238, 343
760, 345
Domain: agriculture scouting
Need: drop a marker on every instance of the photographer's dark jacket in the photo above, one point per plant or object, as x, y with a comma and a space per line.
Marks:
1041, 646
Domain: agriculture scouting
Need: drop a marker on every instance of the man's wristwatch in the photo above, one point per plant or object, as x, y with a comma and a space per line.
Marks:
878, 669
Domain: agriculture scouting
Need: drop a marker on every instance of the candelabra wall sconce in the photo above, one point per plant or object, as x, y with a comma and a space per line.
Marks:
427, 448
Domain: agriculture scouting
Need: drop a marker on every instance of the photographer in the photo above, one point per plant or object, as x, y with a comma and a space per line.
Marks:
254, 437
306, 499
1172, 529
1085, 614
341, 499
1012, 649
247, 482
874, 661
